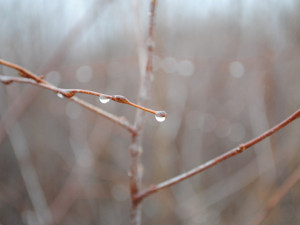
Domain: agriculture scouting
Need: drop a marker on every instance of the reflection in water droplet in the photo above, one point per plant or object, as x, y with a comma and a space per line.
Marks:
104, 99
160, 116
60, 95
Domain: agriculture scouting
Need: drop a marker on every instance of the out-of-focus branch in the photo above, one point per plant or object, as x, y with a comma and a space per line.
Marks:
29, 175
277, 196
74, 186
241, 148
145, 57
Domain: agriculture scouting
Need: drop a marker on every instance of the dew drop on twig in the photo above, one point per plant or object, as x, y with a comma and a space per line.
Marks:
160, 116
104, 99
60, 95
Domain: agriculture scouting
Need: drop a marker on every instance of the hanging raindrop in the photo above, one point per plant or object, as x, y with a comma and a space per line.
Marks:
104, 99
160, 116
60, 95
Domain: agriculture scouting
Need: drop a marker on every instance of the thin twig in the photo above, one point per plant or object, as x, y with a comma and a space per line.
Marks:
31, 78
241, 148
71, 92
277, 196
21, 103
118, 120
22, 71
70, 95
145, 57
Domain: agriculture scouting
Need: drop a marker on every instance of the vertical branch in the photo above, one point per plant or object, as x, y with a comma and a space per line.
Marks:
29, 175
146, 74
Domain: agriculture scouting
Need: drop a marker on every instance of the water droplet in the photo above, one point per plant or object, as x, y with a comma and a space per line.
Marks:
160, 116
104, 99
60, 95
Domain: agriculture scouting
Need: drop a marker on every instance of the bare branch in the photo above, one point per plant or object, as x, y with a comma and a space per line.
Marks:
20, 104
22, 71
241, 148
277, 196
118, 120
71, 92
31, 78
145, 56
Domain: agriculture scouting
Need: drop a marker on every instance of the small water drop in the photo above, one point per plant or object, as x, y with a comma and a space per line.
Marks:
60, 95
160, 116
104, 99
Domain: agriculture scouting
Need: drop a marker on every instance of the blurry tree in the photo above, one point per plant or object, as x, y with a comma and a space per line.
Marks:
225, 72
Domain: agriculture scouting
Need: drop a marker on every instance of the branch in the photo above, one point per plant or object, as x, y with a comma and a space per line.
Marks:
22, 71
31, 78
145, 58
277, 196
241, 148
71, 92
21, 103
70, 95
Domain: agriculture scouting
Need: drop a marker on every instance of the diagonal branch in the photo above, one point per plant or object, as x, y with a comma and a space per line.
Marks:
121, 121
22, 71
71, 92
31, 78
277, 196
20, 104
241, 148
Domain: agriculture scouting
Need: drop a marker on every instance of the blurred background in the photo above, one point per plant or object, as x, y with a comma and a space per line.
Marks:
225, 71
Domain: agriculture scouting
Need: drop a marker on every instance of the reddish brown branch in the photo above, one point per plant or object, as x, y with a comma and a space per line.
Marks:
31, 78
22, 71
20, 104
241, 148
71, 92
277, 196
